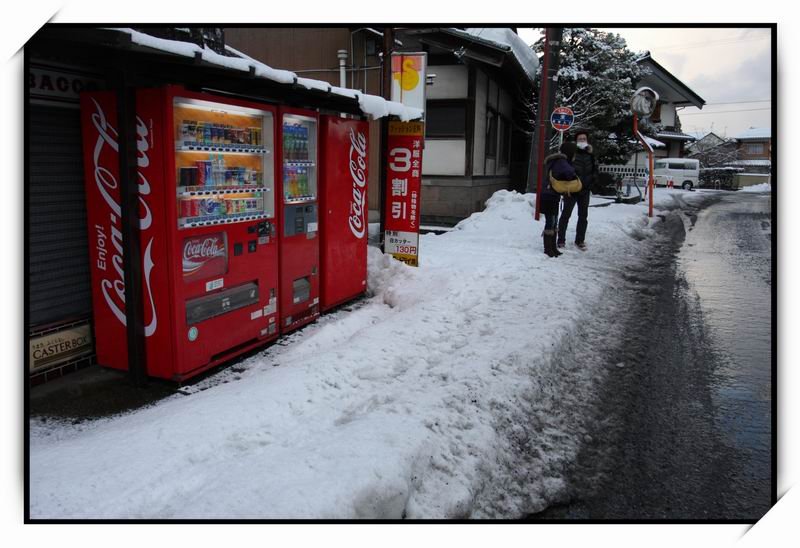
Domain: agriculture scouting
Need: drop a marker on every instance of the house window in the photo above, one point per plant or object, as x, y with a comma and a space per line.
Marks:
754, 148
491, 133
446, 119
656, 116
505, 141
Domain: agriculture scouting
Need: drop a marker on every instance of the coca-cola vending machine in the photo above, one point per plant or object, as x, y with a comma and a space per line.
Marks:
343, 203
299, 224
207, 212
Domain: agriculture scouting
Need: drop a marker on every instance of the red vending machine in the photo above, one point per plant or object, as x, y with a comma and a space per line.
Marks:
299, 225
344, 207
206, 169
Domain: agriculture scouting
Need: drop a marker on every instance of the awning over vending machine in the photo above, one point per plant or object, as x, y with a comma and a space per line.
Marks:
233, 72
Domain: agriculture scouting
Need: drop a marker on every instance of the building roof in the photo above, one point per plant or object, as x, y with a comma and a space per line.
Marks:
236, 66
755, 133
674, 135
522, 52
497, 47
670, 88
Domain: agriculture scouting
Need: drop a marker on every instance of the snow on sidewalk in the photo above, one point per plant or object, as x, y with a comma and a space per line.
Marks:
392, 410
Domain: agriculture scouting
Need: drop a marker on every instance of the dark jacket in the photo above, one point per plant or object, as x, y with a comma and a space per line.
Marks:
562, 170
586, 168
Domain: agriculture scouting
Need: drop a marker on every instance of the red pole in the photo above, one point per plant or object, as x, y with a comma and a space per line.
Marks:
650, 180
651, 184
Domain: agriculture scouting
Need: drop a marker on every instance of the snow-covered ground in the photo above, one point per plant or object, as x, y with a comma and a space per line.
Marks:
763, 187
414, 404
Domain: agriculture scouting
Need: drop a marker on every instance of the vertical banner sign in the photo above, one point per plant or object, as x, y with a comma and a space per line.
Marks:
404, 182
408, 79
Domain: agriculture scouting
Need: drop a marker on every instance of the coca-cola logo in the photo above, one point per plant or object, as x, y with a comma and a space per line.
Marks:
113, 289
199, 250
358, 166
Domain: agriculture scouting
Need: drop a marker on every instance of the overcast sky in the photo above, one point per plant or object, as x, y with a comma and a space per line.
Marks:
723, 66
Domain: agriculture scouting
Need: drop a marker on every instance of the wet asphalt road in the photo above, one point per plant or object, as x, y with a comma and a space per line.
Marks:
683, 424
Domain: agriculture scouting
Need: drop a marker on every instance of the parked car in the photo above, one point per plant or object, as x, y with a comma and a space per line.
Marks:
683, 172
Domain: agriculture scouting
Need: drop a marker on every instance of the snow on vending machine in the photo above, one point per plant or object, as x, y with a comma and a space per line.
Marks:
299, 225
343, 206
209, 244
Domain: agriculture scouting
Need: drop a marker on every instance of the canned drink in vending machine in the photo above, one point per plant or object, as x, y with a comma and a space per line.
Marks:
211, 207
190, 207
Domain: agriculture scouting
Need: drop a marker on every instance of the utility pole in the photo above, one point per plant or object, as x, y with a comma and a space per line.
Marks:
548, 86
388, 46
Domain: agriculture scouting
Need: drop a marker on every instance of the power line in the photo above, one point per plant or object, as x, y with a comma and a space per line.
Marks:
723, 111
740, 102
726, 41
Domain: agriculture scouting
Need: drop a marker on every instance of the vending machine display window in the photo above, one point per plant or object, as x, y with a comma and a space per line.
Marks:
224, 168
299, 158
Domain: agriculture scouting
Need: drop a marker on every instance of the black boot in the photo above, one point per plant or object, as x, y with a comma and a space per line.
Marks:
548, 239
554, 245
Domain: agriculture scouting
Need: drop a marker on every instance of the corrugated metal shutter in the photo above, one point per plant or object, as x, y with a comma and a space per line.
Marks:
58, 255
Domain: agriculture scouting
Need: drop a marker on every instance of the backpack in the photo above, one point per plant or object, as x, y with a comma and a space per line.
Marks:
565, 187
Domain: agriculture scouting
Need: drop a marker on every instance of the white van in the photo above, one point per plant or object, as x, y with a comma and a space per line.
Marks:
683, 172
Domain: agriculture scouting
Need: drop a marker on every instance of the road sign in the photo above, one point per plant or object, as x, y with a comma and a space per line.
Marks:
562, 118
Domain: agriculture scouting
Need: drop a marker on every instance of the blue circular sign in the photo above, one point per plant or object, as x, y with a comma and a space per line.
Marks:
562, 118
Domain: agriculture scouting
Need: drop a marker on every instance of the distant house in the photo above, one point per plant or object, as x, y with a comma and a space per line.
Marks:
667, 138
719, 155
673, 94
706, 142
754, 150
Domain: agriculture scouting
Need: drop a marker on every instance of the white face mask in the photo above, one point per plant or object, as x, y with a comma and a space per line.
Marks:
582, 144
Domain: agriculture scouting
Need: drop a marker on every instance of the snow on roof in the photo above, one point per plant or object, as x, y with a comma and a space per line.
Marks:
675, 135
755, 133
655, 143
506, 37
766, 163
372, 105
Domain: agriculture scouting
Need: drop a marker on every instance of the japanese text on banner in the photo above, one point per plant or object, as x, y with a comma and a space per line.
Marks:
404, 181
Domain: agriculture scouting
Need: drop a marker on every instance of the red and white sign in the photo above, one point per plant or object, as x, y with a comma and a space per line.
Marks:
403, 191
562, 118
101, 163
205, 256
358, 173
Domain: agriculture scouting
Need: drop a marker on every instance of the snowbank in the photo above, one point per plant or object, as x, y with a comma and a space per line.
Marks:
762, 187
438, 397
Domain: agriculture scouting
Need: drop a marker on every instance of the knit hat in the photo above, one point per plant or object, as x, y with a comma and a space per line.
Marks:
568, 149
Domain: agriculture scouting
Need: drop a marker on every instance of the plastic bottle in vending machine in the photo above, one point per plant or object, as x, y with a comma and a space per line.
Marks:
304, 142
300, 145
291, 143
301, 185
